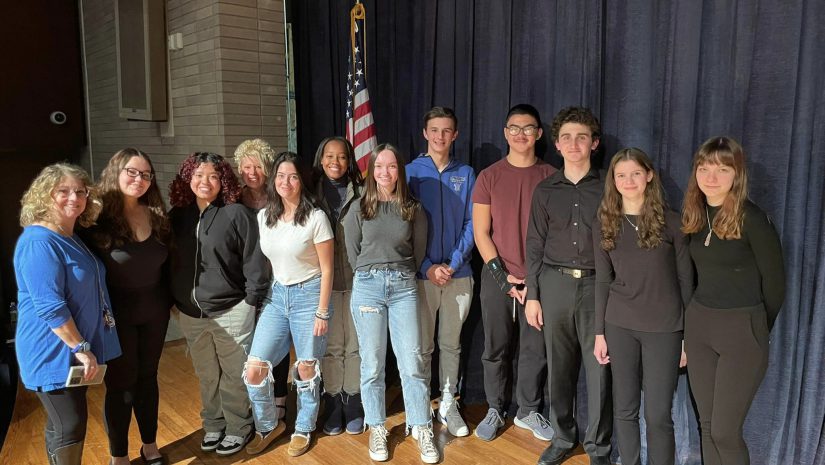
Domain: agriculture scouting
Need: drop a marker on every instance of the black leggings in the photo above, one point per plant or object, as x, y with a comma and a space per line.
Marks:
66, 416
650, 362
727, 353
132, 384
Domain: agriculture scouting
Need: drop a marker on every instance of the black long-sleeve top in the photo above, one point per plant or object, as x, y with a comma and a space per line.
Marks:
218, 260
560, 229
740, 272
643, 289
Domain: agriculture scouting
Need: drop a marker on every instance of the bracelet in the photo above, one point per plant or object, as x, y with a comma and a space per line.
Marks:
322, 315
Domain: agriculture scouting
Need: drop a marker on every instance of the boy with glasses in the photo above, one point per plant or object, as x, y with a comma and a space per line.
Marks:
501, 208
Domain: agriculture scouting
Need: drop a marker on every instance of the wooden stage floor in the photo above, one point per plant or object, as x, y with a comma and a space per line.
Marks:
179, 432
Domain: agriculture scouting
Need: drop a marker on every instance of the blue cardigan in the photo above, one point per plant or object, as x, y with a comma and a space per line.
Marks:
446, 197
57, 281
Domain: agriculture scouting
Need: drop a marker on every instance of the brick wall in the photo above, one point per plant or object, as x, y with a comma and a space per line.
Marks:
227, 83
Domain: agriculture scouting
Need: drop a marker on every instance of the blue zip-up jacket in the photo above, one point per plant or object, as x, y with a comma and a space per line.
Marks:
447, 200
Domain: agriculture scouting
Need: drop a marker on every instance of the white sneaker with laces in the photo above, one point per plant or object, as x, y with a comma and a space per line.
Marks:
426, 443
378, 443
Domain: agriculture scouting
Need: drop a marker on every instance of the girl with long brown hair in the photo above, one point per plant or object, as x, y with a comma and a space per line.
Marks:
644, 279
740, 289
133, 233
386, 239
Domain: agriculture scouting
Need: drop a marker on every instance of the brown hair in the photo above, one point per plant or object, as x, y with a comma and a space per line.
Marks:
652, 218
113, 230
369, 202
727, 224
578, 115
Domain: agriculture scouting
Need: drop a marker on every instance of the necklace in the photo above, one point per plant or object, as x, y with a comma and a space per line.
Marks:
108, 318
710, 228
631, 223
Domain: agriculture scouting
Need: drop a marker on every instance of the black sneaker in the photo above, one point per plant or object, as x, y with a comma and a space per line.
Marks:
211, 440
232, 444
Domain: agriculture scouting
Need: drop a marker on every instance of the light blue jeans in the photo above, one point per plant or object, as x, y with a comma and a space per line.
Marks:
382, 298
288, 315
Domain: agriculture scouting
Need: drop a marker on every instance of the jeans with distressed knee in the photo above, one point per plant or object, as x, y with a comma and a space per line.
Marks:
383, 298
288, 316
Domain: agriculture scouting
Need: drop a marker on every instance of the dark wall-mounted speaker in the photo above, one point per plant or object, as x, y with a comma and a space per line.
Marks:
141, 59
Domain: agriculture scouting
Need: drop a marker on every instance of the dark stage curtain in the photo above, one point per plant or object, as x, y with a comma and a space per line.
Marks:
661, 76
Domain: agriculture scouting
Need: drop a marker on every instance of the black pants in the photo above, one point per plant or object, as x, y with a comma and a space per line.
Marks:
66, 416
132, 383
727, 352
568, 307
497, 317
650, 362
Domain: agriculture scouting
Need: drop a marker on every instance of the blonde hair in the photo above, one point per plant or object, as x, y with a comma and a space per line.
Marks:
257, 149
37, 203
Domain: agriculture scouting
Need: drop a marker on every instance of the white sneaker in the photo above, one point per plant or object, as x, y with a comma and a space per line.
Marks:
452, 419
426, 444
378, 443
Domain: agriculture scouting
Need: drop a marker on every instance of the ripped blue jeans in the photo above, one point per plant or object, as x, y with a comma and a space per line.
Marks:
381, 299
289, 316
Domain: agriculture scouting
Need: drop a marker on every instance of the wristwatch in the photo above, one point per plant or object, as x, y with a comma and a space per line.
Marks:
84, 346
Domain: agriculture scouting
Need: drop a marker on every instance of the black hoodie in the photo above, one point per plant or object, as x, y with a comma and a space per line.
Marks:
218, 260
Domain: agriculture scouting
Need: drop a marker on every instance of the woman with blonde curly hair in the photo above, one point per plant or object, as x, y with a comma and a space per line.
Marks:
219, 279
133, 233
65, 316
254, 157
644, 278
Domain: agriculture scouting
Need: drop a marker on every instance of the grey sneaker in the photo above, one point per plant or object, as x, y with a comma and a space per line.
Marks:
426, 444
537, 424
378, 443
455, 424
489, 426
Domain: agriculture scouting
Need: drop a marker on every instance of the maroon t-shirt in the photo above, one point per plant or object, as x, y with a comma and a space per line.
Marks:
508, 190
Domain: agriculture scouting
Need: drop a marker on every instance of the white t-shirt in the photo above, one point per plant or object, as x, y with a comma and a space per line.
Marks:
291, 248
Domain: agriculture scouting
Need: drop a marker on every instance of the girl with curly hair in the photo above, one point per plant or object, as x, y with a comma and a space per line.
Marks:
644, 279
133, 233
219, 279
64, 309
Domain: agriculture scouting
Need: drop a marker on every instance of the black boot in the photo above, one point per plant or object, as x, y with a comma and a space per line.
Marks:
334, 407
354, 413
67, 455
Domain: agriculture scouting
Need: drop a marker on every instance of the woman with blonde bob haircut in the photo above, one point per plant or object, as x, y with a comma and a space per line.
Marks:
65, 316
644, 279
740, 289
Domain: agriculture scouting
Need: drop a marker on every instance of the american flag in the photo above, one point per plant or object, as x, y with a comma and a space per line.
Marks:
360, 125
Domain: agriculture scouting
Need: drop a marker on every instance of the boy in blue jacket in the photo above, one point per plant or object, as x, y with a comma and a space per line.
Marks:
444, 187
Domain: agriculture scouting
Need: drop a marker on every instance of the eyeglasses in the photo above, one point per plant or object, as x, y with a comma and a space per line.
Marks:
514, 130
145, 175
66, 192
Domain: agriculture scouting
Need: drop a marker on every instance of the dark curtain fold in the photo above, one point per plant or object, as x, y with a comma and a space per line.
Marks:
661, 76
